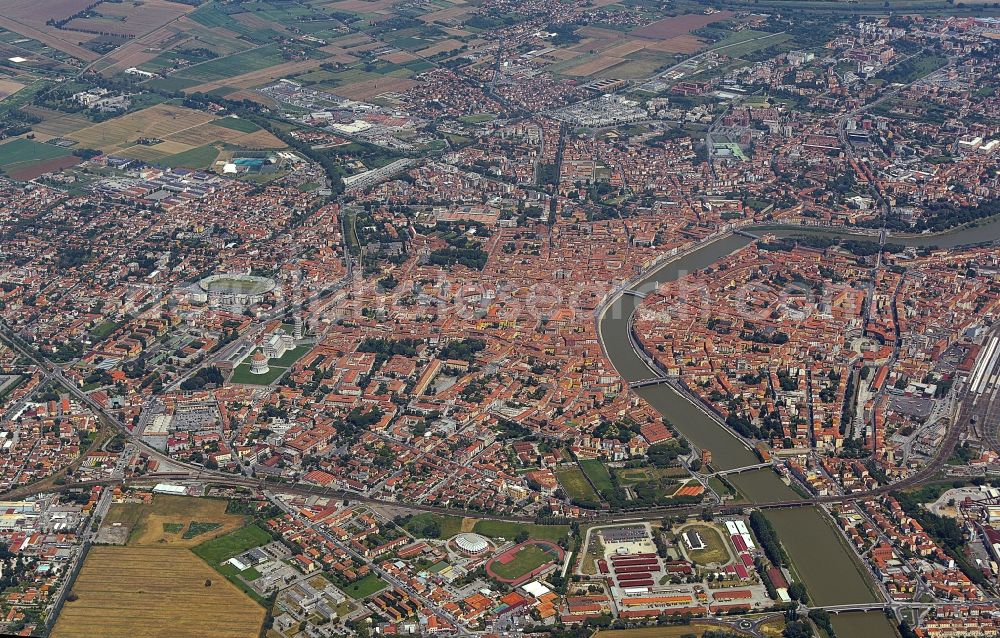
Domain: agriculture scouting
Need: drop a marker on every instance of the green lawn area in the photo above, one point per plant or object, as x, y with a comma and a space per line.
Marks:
243, 375
198, 157
715, 548
365, 587
276, 367
236, 124
575, 483
286, 360
24, 150
510, 530
173, 528
236, 64
225, 547
102, 330
220, 549
598, 473
527, 559
448, 526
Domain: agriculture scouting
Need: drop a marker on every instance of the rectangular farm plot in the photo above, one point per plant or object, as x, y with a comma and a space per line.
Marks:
156, 122
149, 592
21, 150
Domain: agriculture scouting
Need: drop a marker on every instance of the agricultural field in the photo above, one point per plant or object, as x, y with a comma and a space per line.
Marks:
130, 18
171, 520
20, 151
134, 592
188, 138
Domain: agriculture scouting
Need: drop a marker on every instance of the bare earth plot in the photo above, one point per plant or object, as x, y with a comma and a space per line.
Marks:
679, 25
154, 592
370, 88
9, 87
131, 19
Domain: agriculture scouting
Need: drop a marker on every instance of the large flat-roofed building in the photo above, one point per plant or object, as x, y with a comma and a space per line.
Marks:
624, 534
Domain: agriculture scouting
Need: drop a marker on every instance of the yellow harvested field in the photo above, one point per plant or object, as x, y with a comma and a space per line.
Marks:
9, 87
452, 14
371, 88
198, 135
399, 57
147, 521
679, 44
593, 66
155, 592
438, 47
626, 48
56, 123
160, 121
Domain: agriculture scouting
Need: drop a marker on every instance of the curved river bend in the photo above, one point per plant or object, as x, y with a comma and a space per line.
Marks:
834, 575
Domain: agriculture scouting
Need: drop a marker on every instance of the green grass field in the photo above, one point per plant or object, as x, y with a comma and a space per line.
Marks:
24, 150
509, 530
236, 124
365, 587
576, 486
527, 559
199, 157
448, 525
225, 547
276, 367
233, 65
598, 473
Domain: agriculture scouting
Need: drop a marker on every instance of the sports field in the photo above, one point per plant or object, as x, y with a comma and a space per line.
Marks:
521, 561
524, 561
154, 592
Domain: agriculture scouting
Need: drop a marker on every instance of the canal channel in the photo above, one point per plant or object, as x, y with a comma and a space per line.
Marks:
820, 558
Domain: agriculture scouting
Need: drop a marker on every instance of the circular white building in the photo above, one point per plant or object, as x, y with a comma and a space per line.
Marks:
471, 544
258, 363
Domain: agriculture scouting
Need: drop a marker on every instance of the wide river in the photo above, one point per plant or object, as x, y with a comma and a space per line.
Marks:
833, 575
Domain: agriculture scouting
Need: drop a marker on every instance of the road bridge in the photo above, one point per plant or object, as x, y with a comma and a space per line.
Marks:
746, 233
634, 293
740, 470
643, 383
